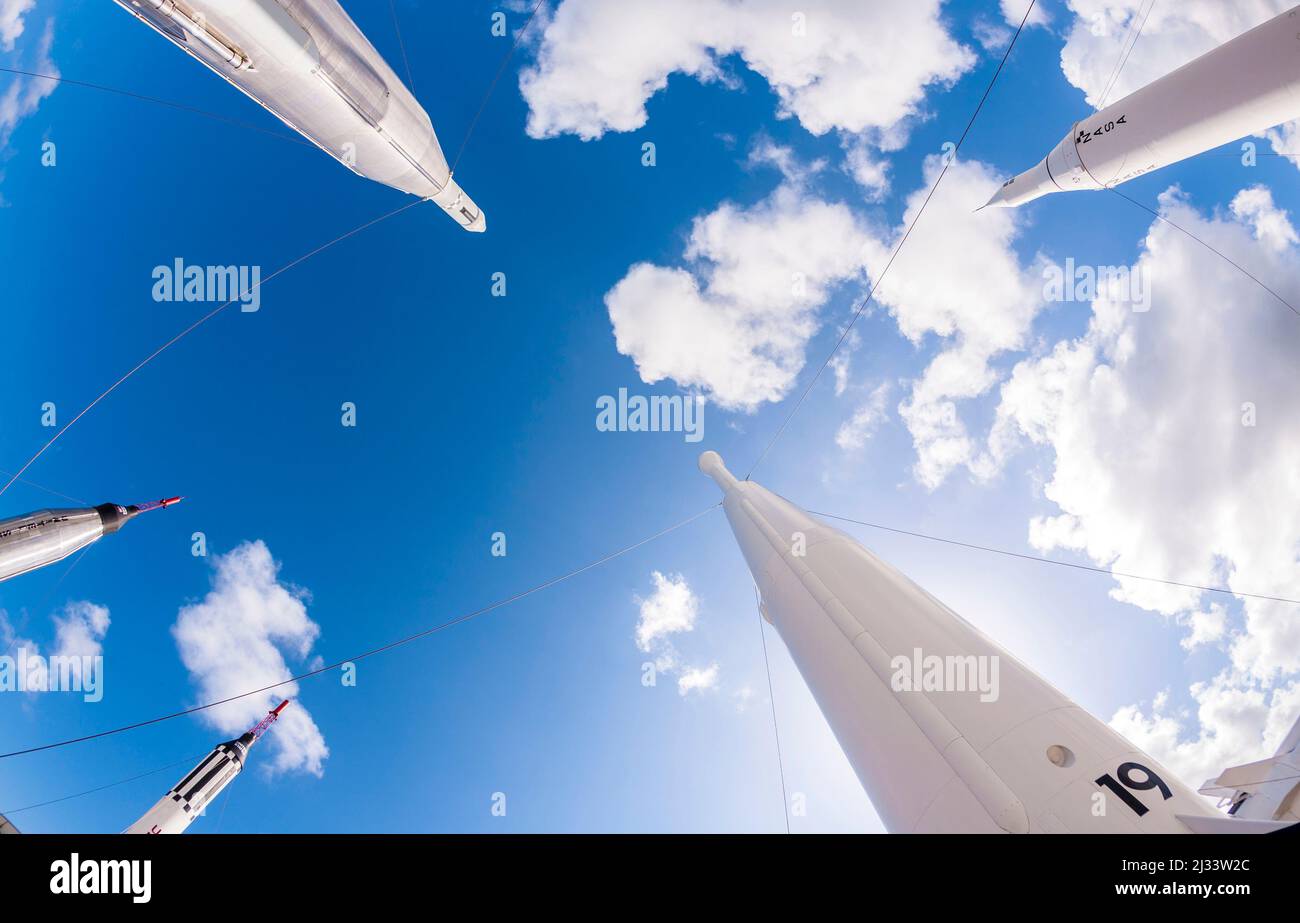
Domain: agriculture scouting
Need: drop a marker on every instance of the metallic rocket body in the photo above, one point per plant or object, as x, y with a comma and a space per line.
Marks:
34, 540
176, 810
1241, 88
938, 760
308, 64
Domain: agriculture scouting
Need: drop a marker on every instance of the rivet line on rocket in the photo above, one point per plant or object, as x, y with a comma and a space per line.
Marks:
1077, 566
377, 650
897, 247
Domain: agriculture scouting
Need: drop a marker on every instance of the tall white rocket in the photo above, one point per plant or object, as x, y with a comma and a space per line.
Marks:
1241, 88
947, 732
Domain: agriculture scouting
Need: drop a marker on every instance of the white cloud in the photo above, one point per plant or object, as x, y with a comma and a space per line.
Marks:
858, 429
931, 290
672, 610
23, 95
1238, 723
236, 639
79, 632
735, 323
1013, 11
1285, 140
1207, 626
992, 36
850, 67
698, 679
1175, 439
12, 13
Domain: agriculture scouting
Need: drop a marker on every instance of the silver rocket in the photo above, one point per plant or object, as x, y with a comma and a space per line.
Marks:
46, 536
176, 810
947, 732
1243, 87
308, 64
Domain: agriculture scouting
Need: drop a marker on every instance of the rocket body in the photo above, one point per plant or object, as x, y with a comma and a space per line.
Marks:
1243, 87
933, 753
308, 64
176, 810
44, 537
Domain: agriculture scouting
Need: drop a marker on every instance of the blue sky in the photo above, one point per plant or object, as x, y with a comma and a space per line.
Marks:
476, 415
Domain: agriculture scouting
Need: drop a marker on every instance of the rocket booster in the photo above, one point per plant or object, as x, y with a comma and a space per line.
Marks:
1243, 87
47, 536
307, 63
176, 810
903, 683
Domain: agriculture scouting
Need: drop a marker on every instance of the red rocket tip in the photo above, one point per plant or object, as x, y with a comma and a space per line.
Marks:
276, 711
157, 504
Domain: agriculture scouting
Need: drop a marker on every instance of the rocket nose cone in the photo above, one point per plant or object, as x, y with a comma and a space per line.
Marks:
711, 464
999, 200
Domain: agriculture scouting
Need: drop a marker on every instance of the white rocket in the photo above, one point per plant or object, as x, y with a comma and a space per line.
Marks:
947, 732
308, 64
1243, 87
176, 810
34, 540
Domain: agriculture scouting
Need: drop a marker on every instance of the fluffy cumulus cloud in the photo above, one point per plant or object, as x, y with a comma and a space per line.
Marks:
672, 610
1175, 448
854, 67
932, 291
237, 638
23, 95
1236, 723
735, 321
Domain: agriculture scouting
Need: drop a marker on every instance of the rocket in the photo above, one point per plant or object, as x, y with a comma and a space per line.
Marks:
1243, 87
176, 810
308, 64
946, 731
47, 536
